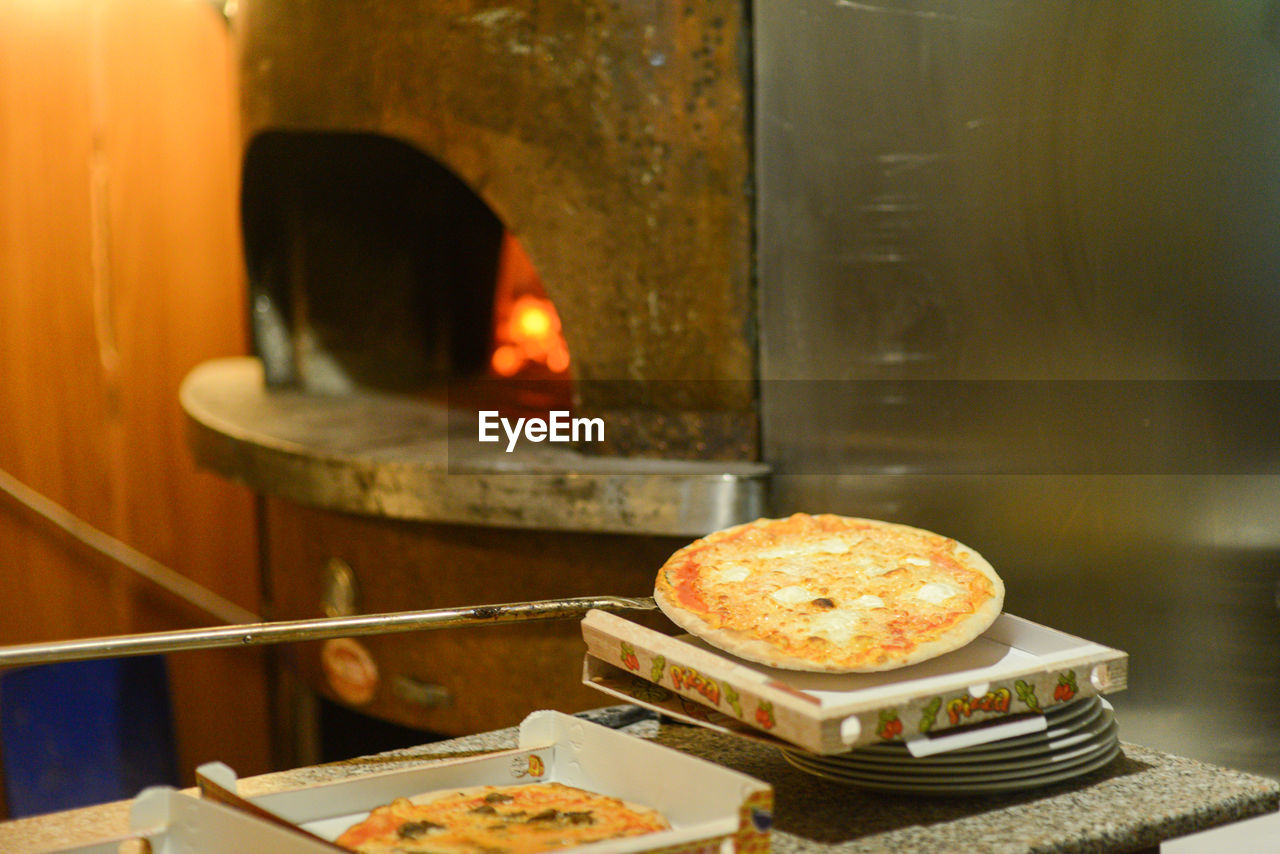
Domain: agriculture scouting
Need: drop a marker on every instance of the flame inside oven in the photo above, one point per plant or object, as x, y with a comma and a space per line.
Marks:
528, 342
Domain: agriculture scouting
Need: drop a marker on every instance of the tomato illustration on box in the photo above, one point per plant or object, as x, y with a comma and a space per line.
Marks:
764, 715
629, 658
890, 725
1066, 687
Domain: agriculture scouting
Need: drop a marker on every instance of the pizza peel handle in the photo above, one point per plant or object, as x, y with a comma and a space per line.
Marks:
258, 634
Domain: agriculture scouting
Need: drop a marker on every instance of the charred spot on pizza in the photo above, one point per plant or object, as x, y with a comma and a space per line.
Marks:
416, 829
563, 817
823, 602
498, 798
484, 809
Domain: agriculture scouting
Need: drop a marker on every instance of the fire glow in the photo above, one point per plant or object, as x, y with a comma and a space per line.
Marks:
527, 336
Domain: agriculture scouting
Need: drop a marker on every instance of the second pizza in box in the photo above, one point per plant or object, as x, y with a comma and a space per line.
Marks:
569, 783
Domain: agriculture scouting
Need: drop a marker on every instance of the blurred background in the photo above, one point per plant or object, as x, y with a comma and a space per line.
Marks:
120, 270
1006, 270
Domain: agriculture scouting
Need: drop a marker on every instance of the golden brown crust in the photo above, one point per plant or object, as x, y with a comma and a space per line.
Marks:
515, 819
830, 593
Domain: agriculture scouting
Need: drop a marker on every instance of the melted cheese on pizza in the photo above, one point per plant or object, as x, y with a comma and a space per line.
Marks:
842, 593
519, 819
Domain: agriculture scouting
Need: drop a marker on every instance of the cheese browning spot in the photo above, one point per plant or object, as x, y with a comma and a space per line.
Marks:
732, 573
935, 593
792, 595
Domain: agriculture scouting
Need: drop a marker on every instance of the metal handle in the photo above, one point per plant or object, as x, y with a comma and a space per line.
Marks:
258, 634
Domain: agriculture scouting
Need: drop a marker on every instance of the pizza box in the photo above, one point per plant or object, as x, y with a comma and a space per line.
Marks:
707, 806
997, 686
163, 820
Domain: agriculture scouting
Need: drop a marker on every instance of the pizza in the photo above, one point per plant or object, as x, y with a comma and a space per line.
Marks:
830, 593
498, 820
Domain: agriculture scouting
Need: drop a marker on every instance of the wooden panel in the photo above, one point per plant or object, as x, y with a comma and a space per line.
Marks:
493, 675
119, 271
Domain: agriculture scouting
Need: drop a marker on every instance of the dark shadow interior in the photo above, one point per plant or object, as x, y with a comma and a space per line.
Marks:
370, 264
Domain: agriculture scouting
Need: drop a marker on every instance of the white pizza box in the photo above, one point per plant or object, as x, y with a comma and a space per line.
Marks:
710, 808
171, 822
997, 686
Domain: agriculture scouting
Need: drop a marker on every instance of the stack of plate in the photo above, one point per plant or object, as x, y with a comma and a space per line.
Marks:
1080, 736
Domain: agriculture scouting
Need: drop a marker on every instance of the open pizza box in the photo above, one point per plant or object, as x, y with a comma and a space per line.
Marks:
710, 809
163, 820
998, 686
706, 805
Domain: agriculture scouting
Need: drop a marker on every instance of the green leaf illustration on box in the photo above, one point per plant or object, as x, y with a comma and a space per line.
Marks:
732, 698
1027, 694
656, 667
929, 714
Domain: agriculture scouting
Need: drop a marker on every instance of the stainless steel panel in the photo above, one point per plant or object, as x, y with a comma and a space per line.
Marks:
1033, 193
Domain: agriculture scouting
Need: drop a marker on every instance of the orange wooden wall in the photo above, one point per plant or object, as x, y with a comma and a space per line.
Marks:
120, 270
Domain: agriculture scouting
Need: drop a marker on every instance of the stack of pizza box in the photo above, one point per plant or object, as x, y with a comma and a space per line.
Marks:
707, 806
998, 686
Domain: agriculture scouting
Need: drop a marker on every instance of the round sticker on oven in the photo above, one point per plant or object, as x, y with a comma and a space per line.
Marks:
350, 670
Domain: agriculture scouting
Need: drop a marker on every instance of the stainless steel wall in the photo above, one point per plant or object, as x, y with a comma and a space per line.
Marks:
1020, 273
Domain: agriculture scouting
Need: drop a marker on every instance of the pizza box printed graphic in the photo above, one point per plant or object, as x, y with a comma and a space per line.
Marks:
997, 686
165, 821
706, 805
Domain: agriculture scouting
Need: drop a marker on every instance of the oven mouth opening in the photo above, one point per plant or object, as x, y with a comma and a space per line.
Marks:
373, 266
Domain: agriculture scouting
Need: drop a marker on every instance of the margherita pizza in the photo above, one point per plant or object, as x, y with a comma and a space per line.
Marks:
498, 820
830, 593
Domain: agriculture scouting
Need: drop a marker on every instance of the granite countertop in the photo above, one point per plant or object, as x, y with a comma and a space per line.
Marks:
1140, 799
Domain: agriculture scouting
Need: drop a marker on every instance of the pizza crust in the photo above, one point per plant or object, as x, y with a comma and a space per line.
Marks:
729, 554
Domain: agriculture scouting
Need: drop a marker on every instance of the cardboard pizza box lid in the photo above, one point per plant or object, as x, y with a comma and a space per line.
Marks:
1010, 674
173, 822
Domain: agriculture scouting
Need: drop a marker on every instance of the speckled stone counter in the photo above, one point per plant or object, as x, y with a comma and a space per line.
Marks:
1136, 802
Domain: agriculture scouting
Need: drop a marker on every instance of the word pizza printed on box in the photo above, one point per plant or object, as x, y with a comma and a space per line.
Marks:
1014, 670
